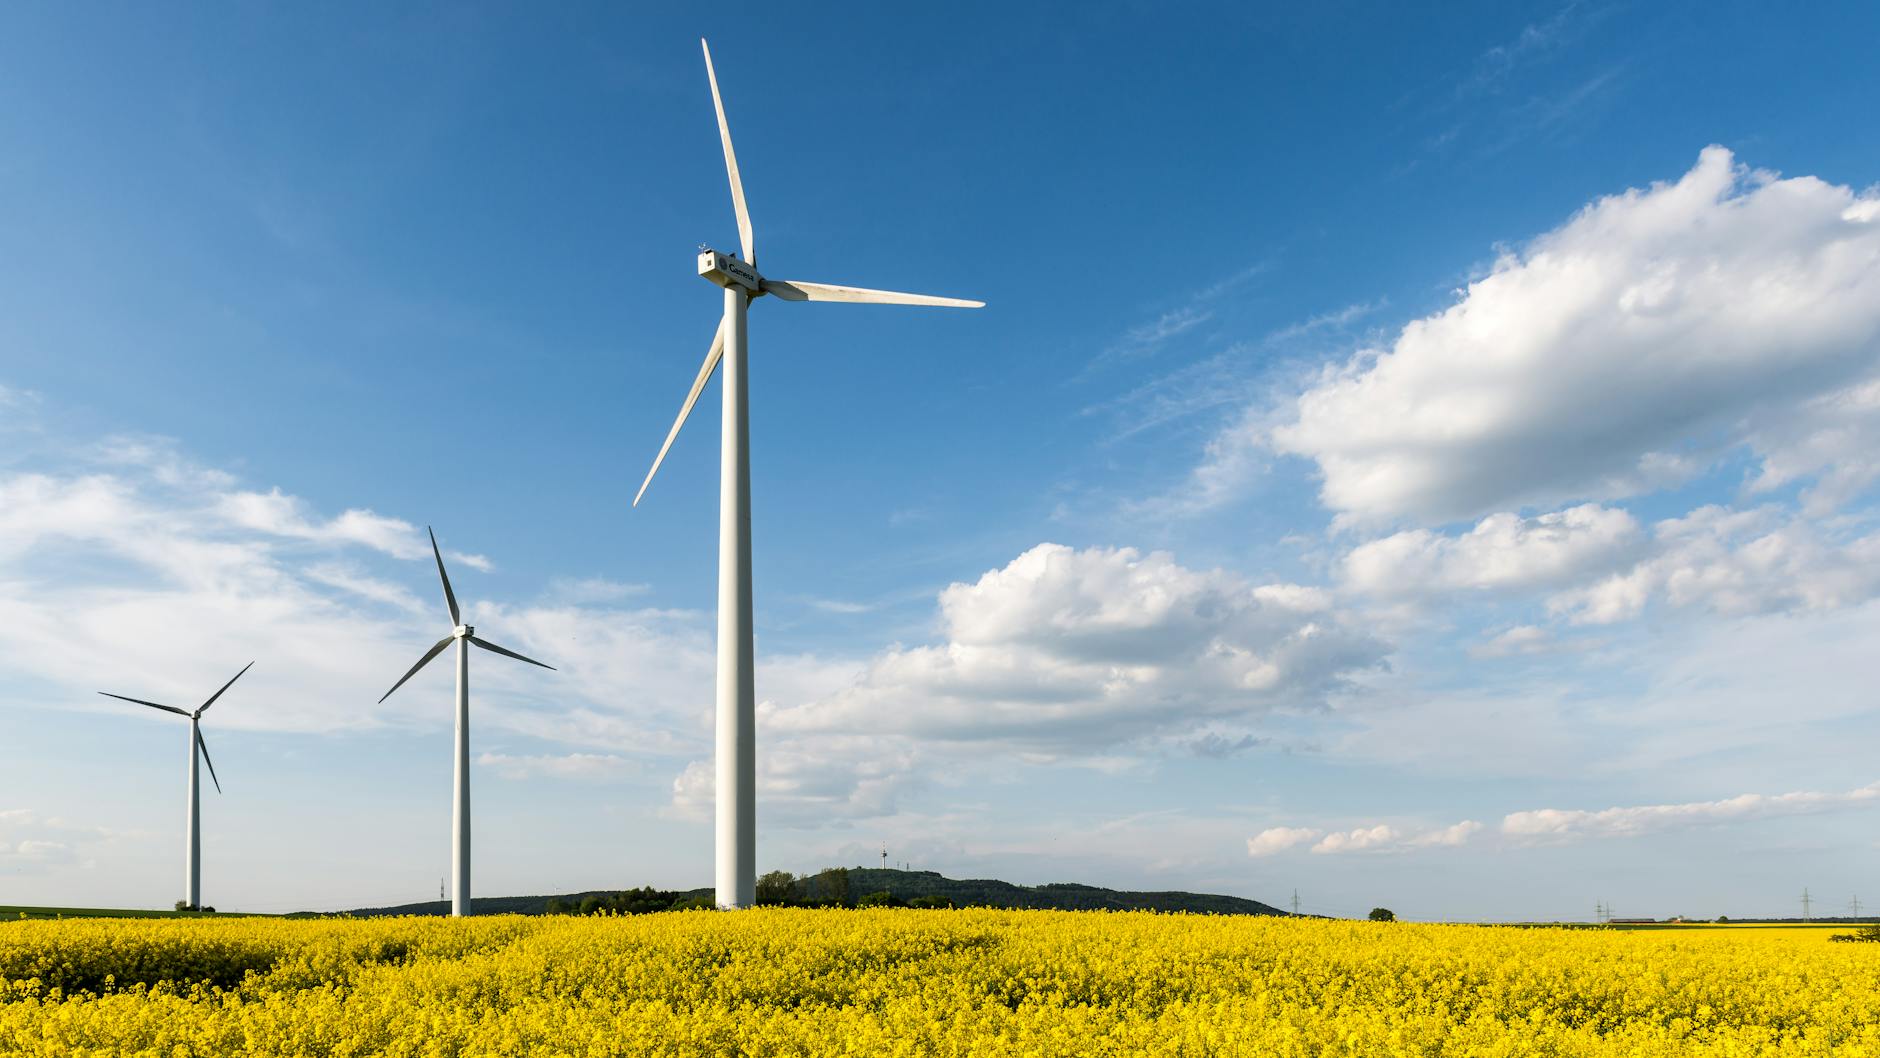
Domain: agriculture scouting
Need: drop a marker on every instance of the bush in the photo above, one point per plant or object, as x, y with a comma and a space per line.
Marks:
1869, 933
1382, 914
880, 898
182, 905
931, 900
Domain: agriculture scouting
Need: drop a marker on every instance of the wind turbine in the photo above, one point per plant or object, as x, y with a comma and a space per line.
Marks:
736, 801
192, 863
463, 635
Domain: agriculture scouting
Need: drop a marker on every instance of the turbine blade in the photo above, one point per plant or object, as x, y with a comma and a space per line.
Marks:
450, 597
422, 662
153, 705
204, 747
226, 686
487, 645
731, 162
798, 290
698, 385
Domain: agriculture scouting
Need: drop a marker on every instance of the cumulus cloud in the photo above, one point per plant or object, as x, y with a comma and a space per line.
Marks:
1502, 552
1628, 349
1733, 563
1554, 824
1279, 839
1067, 650
1377, 837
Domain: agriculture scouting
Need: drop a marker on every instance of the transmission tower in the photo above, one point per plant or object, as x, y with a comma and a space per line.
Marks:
1807, 902
1599, 911
884, 857
1295, 901
1854, 905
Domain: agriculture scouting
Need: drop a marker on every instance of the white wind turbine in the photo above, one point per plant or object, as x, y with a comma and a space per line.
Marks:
192, 862
736, 802
463, 635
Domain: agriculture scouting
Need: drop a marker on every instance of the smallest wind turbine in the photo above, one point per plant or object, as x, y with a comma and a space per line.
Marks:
463, 635
192, 863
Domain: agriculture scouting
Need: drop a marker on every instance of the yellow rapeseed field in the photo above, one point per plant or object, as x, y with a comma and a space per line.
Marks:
898, 982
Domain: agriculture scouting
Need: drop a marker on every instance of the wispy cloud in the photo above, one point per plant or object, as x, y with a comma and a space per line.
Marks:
1559, 825
1553, 826
1535, 41
590, 767
1148, 337
1335, 320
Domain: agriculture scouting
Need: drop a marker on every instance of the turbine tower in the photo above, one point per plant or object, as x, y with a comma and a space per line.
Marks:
736, 793
192, 857
463, 635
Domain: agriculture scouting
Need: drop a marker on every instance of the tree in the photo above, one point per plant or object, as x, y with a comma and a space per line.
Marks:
776, 888
1382, 914
879, 898
592, 905
183, 905
931, 900
832, 886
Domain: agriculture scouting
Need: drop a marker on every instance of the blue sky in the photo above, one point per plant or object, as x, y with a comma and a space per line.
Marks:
1419, 460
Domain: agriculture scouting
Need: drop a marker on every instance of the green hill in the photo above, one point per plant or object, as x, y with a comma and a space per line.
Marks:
906, 885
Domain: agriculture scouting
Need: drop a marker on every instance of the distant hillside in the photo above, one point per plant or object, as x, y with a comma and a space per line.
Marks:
906, 885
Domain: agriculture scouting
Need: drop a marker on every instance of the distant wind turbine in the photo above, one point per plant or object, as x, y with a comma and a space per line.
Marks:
463, 635
192, 863
736, 800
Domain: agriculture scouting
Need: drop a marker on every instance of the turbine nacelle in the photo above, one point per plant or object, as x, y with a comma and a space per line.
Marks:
727, 271
462, 632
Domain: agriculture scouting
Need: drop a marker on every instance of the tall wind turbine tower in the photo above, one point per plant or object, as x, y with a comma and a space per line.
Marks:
192, 857
736, 794
463, 635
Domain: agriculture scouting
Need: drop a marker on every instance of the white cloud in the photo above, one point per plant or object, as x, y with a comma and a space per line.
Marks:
277, 514
30, 842
1521, 639
1733, 563
1376, 837
1447, 837
1067, 651
1274, 840
1358, 840
1558, 826
1554, 824
1627, 349
1502, 552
